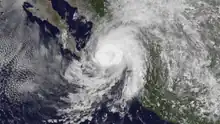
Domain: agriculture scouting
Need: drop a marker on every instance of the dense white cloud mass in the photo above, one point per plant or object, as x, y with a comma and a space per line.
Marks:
116, 59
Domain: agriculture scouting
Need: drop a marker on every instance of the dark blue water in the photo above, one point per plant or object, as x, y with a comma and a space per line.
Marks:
137, 114
45, 26
34, 110
79, 29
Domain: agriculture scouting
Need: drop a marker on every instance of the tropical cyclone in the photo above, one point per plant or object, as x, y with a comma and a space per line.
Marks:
169, 37
108, 55
173, 44
118, 57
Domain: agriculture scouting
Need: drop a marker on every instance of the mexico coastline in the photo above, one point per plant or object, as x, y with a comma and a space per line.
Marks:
136, 110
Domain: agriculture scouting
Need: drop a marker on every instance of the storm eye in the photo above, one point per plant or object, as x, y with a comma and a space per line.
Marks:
108, 55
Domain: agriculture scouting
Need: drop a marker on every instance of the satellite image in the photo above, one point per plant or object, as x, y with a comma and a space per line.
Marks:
109, 61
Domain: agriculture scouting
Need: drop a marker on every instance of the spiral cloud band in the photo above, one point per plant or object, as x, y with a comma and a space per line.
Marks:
117, 53
126, 49
164, 52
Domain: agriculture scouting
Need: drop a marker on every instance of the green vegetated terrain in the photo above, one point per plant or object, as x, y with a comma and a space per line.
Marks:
98, 6
178, 110
44, 10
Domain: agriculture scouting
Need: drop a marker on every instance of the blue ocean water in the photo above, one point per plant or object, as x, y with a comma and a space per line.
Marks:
79, 29
35, 110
